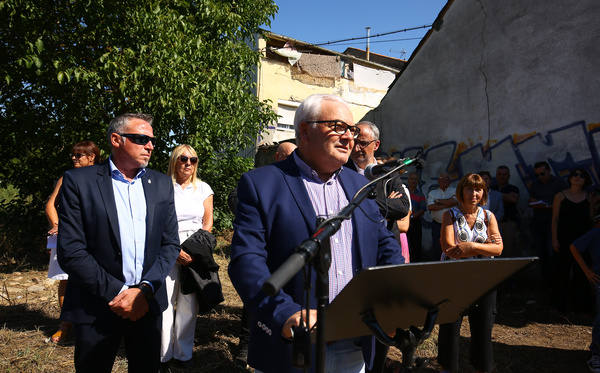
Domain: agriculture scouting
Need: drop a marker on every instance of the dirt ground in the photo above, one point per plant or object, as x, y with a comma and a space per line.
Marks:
528, 335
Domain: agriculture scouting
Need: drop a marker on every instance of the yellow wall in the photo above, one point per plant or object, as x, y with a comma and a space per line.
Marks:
275, 82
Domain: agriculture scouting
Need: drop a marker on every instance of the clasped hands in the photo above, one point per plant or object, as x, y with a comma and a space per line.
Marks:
129, 304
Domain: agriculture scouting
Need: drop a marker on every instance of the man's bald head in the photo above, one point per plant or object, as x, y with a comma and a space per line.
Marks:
284, 150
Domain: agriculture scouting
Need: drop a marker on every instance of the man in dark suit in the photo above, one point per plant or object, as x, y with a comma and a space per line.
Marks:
118, 241
278, 208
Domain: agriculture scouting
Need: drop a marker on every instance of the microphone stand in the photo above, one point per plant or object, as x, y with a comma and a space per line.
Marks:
316, 249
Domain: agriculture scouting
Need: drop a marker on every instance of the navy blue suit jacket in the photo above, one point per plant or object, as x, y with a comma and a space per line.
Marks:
274, 215
89, 248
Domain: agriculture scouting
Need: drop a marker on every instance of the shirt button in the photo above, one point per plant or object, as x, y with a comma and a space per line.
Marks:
336, 240
340, 273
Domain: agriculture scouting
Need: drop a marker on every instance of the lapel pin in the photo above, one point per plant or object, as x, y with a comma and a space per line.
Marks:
149, 181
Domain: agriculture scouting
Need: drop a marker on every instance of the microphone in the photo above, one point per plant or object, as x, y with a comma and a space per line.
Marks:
372, 172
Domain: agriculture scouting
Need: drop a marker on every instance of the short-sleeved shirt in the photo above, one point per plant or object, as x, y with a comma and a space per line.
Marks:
546, 192
590, 243
439, 194
189, 205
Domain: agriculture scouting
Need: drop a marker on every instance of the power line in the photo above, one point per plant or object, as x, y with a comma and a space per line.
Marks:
374, 36
382, 41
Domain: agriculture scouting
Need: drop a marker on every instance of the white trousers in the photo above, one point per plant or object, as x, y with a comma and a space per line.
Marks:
178, 320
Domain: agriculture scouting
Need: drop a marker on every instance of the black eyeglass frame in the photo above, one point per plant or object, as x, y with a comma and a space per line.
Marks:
78, 155
360, 143
138, 138
335, 125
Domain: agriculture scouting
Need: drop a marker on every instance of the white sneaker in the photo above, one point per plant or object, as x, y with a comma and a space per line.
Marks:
594, 364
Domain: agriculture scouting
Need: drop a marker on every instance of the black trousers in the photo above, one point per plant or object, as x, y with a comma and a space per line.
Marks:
415, 236
97, 344
436, 247
481, 319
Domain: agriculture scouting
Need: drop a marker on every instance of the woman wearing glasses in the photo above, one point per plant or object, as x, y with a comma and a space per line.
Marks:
194, 208
570, 219
84, 153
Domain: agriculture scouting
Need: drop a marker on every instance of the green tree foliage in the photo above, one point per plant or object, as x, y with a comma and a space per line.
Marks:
68, 67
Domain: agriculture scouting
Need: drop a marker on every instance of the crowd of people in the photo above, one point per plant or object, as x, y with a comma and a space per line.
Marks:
123, 237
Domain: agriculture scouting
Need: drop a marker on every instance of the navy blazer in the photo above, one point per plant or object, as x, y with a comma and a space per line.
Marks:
89, 247
274, 215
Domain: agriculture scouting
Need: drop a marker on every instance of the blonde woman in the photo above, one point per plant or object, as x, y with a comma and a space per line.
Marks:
83, 154
194, 208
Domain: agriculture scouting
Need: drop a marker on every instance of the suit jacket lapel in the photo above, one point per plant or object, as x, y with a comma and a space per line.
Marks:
108, 197
149, 195
294, 181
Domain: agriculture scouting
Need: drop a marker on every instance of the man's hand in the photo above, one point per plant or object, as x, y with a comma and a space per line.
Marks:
294, 320
184, 258
129, 304
394, 194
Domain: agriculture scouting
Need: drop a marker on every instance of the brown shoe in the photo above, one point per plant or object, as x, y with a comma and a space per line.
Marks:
62, 335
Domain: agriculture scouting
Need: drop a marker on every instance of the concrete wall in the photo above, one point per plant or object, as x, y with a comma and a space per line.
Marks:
502, 82
522, 76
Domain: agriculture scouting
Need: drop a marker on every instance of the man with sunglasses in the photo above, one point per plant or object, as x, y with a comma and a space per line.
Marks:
277, 210
541, 195
118, 241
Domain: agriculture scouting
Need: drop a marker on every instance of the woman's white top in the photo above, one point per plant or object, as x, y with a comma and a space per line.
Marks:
464, 233
189, 206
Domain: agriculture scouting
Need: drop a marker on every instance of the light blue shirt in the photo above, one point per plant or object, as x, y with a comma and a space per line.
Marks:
131, 212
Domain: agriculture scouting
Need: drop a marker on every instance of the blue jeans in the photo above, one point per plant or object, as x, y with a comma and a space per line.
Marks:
595, 345
342, 356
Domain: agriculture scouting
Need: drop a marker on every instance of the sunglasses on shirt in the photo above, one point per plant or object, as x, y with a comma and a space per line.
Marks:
185, 158
136, 138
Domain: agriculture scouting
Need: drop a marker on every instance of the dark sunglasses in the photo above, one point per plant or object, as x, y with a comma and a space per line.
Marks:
578, 173
185, 158
338, 126
543, 173
78, 155
136, 138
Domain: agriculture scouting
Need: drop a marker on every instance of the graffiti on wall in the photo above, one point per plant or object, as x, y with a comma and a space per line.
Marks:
572, 145
566, 147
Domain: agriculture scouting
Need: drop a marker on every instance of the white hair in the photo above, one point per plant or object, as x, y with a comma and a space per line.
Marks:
310, 109
372, 127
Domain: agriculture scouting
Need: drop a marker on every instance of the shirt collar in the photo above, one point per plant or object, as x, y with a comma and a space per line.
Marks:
118, 175
307, 172
363, 169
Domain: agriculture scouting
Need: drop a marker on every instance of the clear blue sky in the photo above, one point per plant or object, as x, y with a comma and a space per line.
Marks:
317, 21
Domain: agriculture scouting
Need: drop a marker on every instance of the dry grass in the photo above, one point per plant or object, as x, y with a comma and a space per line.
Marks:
527, 337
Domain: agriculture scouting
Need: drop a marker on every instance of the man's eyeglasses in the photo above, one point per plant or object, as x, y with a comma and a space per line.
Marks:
339, 126
579, 174
185, 158
136, 138
363, 144
540, 174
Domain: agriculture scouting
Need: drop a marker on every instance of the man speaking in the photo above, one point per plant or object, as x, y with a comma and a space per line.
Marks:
277, 210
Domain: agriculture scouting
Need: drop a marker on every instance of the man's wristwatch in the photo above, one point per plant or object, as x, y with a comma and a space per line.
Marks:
146, 291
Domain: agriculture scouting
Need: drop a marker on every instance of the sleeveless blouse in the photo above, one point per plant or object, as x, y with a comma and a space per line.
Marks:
464, 233
573, 221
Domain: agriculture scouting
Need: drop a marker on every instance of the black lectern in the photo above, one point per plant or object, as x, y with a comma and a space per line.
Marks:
395, 298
